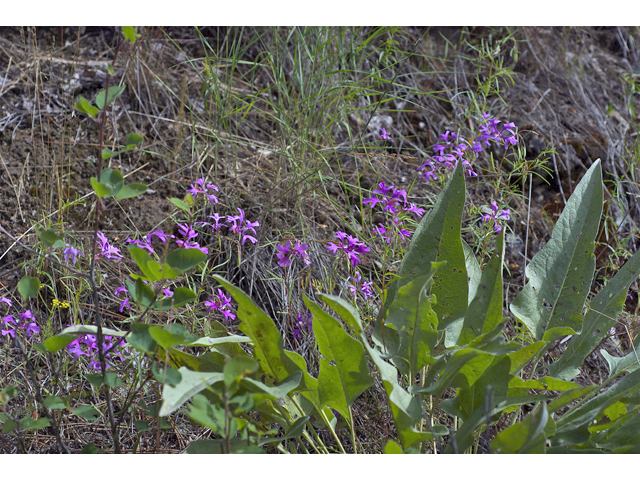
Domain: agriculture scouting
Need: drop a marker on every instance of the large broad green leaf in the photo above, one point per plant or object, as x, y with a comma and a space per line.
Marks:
494, 380
343, 374
436, 239
524, 437
485, 415
603, 312
485, 310
268, 346
580, 418
174, 396
413, 318
560, 274
405, 408
627, 435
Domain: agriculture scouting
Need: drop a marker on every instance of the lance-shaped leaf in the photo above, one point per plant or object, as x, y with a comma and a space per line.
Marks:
484, 415
602, 315
343, 372
436, 239
268, 346
413, 317
191, 383
628, 363
573, 426
485, 310
524, 437
560, 274
405, 408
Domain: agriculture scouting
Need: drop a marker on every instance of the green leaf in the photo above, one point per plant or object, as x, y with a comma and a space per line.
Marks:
524, 437
405, 408
147, 265
485, 310
55, 403
181, 296
343, 372
133, 140
130, 34
487, 413
582, 416
83, 105
560, 274
543, 383
628, 363
87, 412
50, 238
114, 92
412, 316
100, 189
628, 435
141, 339
107, 153
55, 343
238, 368
166, 376
27, 423
183, 259
604, 309
131, 190
438, 238
180, 204
267, 341
28, 287
171, 335
174, 396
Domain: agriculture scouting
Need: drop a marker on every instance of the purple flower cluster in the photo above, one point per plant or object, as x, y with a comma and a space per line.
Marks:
358, 286
303, 323
235, 223
495, 215
451, 148
106, 249
221, 303
27, 322
147, 243
394, 202
350, 246
189, 234
287, 250
199, 188
87, 346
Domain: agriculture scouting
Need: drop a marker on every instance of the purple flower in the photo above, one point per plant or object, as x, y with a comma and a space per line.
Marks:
6, 300
188, 232
125, 302
384, 135
241, 226
391, 198
495, 215
351, 246
142, 244
160, 234
198, 187
364, 288
221, 303
71, 253
26, 322
106, 250
304, 322
9, 331
285, 252
217, 226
